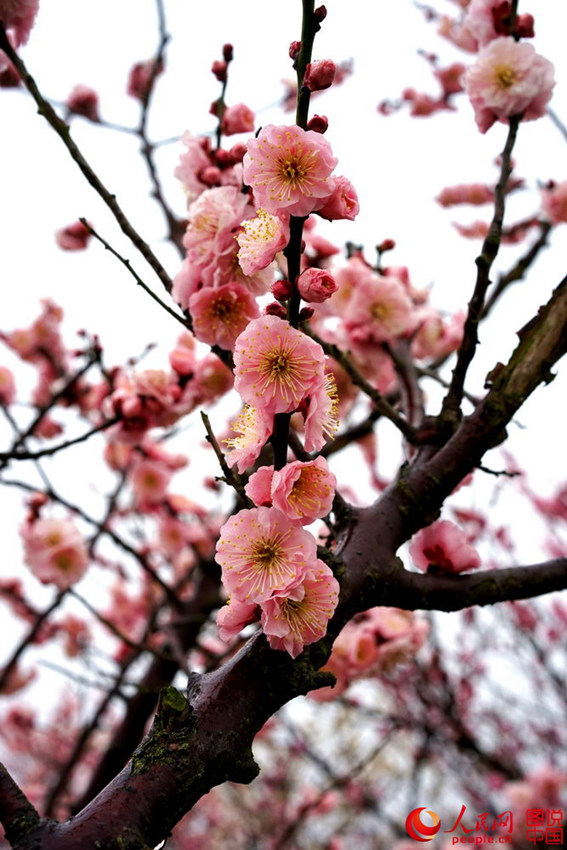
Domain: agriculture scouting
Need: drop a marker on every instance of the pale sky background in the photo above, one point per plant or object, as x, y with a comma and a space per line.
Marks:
397, 164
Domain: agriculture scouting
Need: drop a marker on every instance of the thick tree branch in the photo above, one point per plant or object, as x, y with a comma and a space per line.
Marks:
17, 814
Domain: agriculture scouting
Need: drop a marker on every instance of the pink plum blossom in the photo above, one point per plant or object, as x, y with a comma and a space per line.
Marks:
276, 366
234, 616
289, 168
470, 193
252, 428
444, 546
297, 617
182, 358
192, 163
55, 551
508, 78
220, 314
316, 285
18, 18
150, 480
379, 310
342, 203
213, 220
237, 119
304, 491
261, 552
554, 202
260, 240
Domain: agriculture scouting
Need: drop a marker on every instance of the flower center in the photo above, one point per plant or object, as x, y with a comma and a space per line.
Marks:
505, 76
293, 171
266, 553
221, 310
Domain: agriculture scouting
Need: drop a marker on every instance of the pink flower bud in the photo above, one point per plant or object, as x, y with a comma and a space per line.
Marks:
282, 289
141, 78
294, 49
316, 285
237, 152
275, 309
386, 245
75, 237
320, 13
83, 101
305, 314
211, 175
218, 68
319, 75
227, 52
525, 26
318, 124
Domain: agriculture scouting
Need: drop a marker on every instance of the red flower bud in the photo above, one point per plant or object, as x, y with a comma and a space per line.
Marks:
318, 124
218, 68
319, 75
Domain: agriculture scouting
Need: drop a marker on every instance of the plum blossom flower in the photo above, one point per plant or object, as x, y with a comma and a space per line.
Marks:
260, 240
253, 428
288, 169
261, 553
220, 314
316, 285
18, 18
554, 202
55, 551
304, 491
342, 203
508, 78
276, 366
443, 545
213, 219
237, 119
150, 480
379, 310
259, 487
319, 75
141, 78
298, 617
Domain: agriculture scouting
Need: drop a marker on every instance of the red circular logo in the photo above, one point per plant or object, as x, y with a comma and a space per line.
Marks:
420, 831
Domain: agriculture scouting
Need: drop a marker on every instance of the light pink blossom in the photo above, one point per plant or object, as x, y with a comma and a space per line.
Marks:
508, 78
342, 203
289, 168
220, 314
193, 162
469, 193
261, 553
379, 310
252, 428
554, 202
55, 551
443, 545
260, 240
150, 480
304, 491
213, 221
237, 119
298, 617
276, 366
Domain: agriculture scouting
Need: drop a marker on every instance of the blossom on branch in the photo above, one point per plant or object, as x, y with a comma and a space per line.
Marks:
17, 17
289, 168
300, 616
55, 551
276, 367
443, 545
261, 552
508, 78
220, 314
260, 240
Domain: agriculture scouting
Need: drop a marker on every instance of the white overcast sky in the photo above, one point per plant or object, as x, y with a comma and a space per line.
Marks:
397, 164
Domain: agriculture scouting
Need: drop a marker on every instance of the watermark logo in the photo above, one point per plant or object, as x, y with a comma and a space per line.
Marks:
420, 831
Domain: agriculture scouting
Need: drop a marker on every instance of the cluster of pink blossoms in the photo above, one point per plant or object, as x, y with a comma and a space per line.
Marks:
269, 561
55, 551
